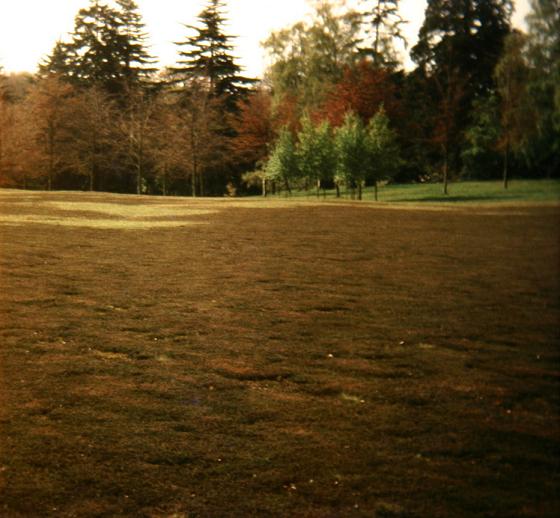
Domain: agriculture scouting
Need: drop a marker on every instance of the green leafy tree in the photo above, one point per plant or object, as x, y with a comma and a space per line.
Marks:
383, 154
516, 111
544, 84
282, 165
307, 58
352, 153
480, 155
315, 152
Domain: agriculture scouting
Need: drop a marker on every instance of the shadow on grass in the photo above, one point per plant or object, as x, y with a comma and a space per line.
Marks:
444, 198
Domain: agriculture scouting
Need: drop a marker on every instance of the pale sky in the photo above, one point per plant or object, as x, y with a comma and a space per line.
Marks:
30, 28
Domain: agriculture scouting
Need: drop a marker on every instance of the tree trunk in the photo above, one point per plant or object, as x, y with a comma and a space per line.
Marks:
360, 191
377, 29
506, 160
49, 178
194, 169
264, 192
337, 187
318, 188
200, 184
375, 190
445, 167
139, 163
51, 161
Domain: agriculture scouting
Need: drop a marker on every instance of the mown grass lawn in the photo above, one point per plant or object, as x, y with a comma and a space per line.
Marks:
471, 192
173, 357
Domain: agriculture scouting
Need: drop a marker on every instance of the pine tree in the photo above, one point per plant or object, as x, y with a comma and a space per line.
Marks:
94, 45
107, 49
58, 63
136, 61
207, 55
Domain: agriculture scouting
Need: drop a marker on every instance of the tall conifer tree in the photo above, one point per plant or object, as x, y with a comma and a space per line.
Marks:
108, 49
207, 54
137, 63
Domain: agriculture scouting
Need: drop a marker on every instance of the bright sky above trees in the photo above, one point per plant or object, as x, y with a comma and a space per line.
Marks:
30, 28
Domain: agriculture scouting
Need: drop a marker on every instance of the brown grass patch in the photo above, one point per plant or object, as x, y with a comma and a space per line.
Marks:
220, 369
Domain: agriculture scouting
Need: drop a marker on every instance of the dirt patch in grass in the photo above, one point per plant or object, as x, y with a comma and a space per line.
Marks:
295, 360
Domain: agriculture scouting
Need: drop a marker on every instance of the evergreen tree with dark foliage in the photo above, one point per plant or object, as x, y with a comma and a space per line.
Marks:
466, 35
58, 63
207, 55
95, 55
136, 61
458, 47
107, 49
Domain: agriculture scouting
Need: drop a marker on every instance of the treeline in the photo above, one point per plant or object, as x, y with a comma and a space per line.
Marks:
335, 107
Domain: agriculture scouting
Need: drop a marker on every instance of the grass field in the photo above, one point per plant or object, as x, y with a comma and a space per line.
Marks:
459, 192
193, 358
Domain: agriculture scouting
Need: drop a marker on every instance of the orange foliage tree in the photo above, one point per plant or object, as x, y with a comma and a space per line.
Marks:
254, 128
363, 89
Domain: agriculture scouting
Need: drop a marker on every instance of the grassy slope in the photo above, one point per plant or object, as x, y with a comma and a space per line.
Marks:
462, 192
301, 360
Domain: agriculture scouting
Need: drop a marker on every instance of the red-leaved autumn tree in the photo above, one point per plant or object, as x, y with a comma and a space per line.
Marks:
254, 128
363, 89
